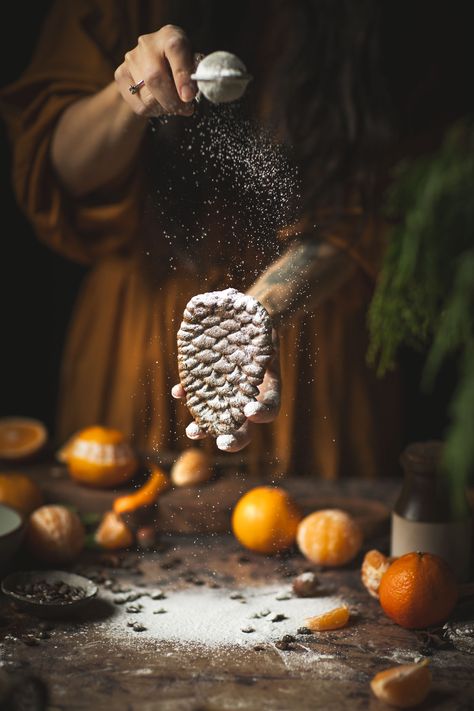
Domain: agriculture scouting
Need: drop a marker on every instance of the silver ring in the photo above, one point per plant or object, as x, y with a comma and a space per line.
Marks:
135, 88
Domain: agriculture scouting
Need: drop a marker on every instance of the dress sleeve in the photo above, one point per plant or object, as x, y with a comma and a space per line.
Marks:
74, 58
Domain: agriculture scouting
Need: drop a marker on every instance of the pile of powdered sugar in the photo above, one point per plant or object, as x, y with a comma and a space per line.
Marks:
215, 617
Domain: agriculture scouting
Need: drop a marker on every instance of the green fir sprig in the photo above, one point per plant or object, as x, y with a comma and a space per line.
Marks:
424, 298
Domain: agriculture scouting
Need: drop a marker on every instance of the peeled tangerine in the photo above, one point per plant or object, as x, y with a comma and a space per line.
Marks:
404, 686
55, 534
329, 537
99, 457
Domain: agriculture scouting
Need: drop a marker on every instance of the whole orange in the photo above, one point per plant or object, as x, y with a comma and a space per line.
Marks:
20, 492
265, 520
329, 537
418, 590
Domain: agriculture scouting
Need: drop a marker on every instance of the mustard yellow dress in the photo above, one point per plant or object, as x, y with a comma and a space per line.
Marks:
119, 361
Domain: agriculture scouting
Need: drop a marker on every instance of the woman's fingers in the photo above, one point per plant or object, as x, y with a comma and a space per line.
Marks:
264, 410
164, 61
193, 431
178, 392
267, 405
236, 441
181, 61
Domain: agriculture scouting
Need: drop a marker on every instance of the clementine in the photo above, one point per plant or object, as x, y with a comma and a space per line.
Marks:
418, 590
329, 537
265, 520
20, 492
99, 457
55, 534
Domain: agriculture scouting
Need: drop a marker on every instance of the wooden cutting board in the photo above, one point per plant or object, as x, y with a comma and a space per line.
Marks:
207, 509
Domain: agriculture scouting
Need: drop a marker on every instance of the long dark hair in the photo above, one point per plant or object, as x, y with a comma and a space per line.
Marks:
334, 107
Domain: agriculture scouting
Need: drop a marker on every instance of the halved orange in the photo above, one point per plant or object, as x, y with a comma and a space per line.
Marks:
20, 437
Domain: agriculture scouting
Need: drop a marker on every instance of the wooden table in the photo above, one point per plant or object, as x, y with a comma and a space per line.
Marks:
84, 667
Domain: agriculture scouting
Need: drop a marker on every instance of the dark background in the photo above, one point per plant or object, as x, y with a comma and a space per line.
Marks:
38, 288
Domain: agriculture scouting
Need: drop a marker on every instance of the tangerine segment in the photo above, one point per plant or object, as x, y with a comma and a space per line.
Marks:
265, 520
112, 533
332, 620
20, 492
374, 566
146, 495
21, 437
418, 590
404, 686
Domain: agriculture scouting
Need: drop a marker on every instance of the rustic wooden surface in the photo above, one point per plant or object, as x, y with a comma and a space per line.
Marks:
207, 509
83, 669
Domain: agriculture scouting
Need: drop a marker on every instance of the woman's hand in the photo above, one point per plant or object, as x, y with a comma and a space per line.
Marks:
264, 409
165, 62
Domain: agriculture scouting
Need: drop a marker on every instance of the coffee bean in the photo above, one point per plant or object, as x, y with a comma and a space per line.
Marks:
43, 591
137, 627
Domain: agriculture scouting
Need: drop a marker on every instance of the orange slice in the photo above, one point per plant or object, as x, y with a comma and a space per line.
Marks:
331, 620
21, 437
404, 686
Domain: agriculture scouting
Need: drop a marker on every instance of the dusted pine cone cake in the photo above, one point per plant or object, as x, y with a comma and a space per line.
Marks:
224, 347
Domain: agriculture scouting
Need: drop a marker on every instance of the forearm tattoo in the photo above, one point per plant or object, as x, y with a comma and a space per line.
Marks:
308, 272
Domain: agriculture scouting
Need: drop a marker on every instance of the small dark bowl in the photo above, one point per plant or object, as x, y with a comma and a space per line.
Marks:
11, 583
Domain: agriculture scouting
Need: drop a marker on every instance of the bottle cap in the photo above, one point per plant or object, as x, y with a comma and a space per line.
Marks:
422, 457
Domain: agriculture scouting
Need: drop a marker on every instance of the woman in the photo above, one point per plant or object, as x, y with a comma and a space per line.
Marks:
101, 183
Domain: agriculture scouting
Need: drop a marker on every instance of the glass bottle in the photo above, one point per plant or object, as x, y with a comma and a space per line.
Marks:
426, 516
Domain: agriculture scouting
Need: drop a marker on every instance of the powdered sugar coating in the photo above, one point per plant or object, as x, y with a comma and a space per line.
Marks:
224, 347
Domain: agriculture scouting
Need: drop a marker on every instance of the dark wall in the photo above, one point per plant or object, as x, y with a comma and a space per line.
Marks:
38, 288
